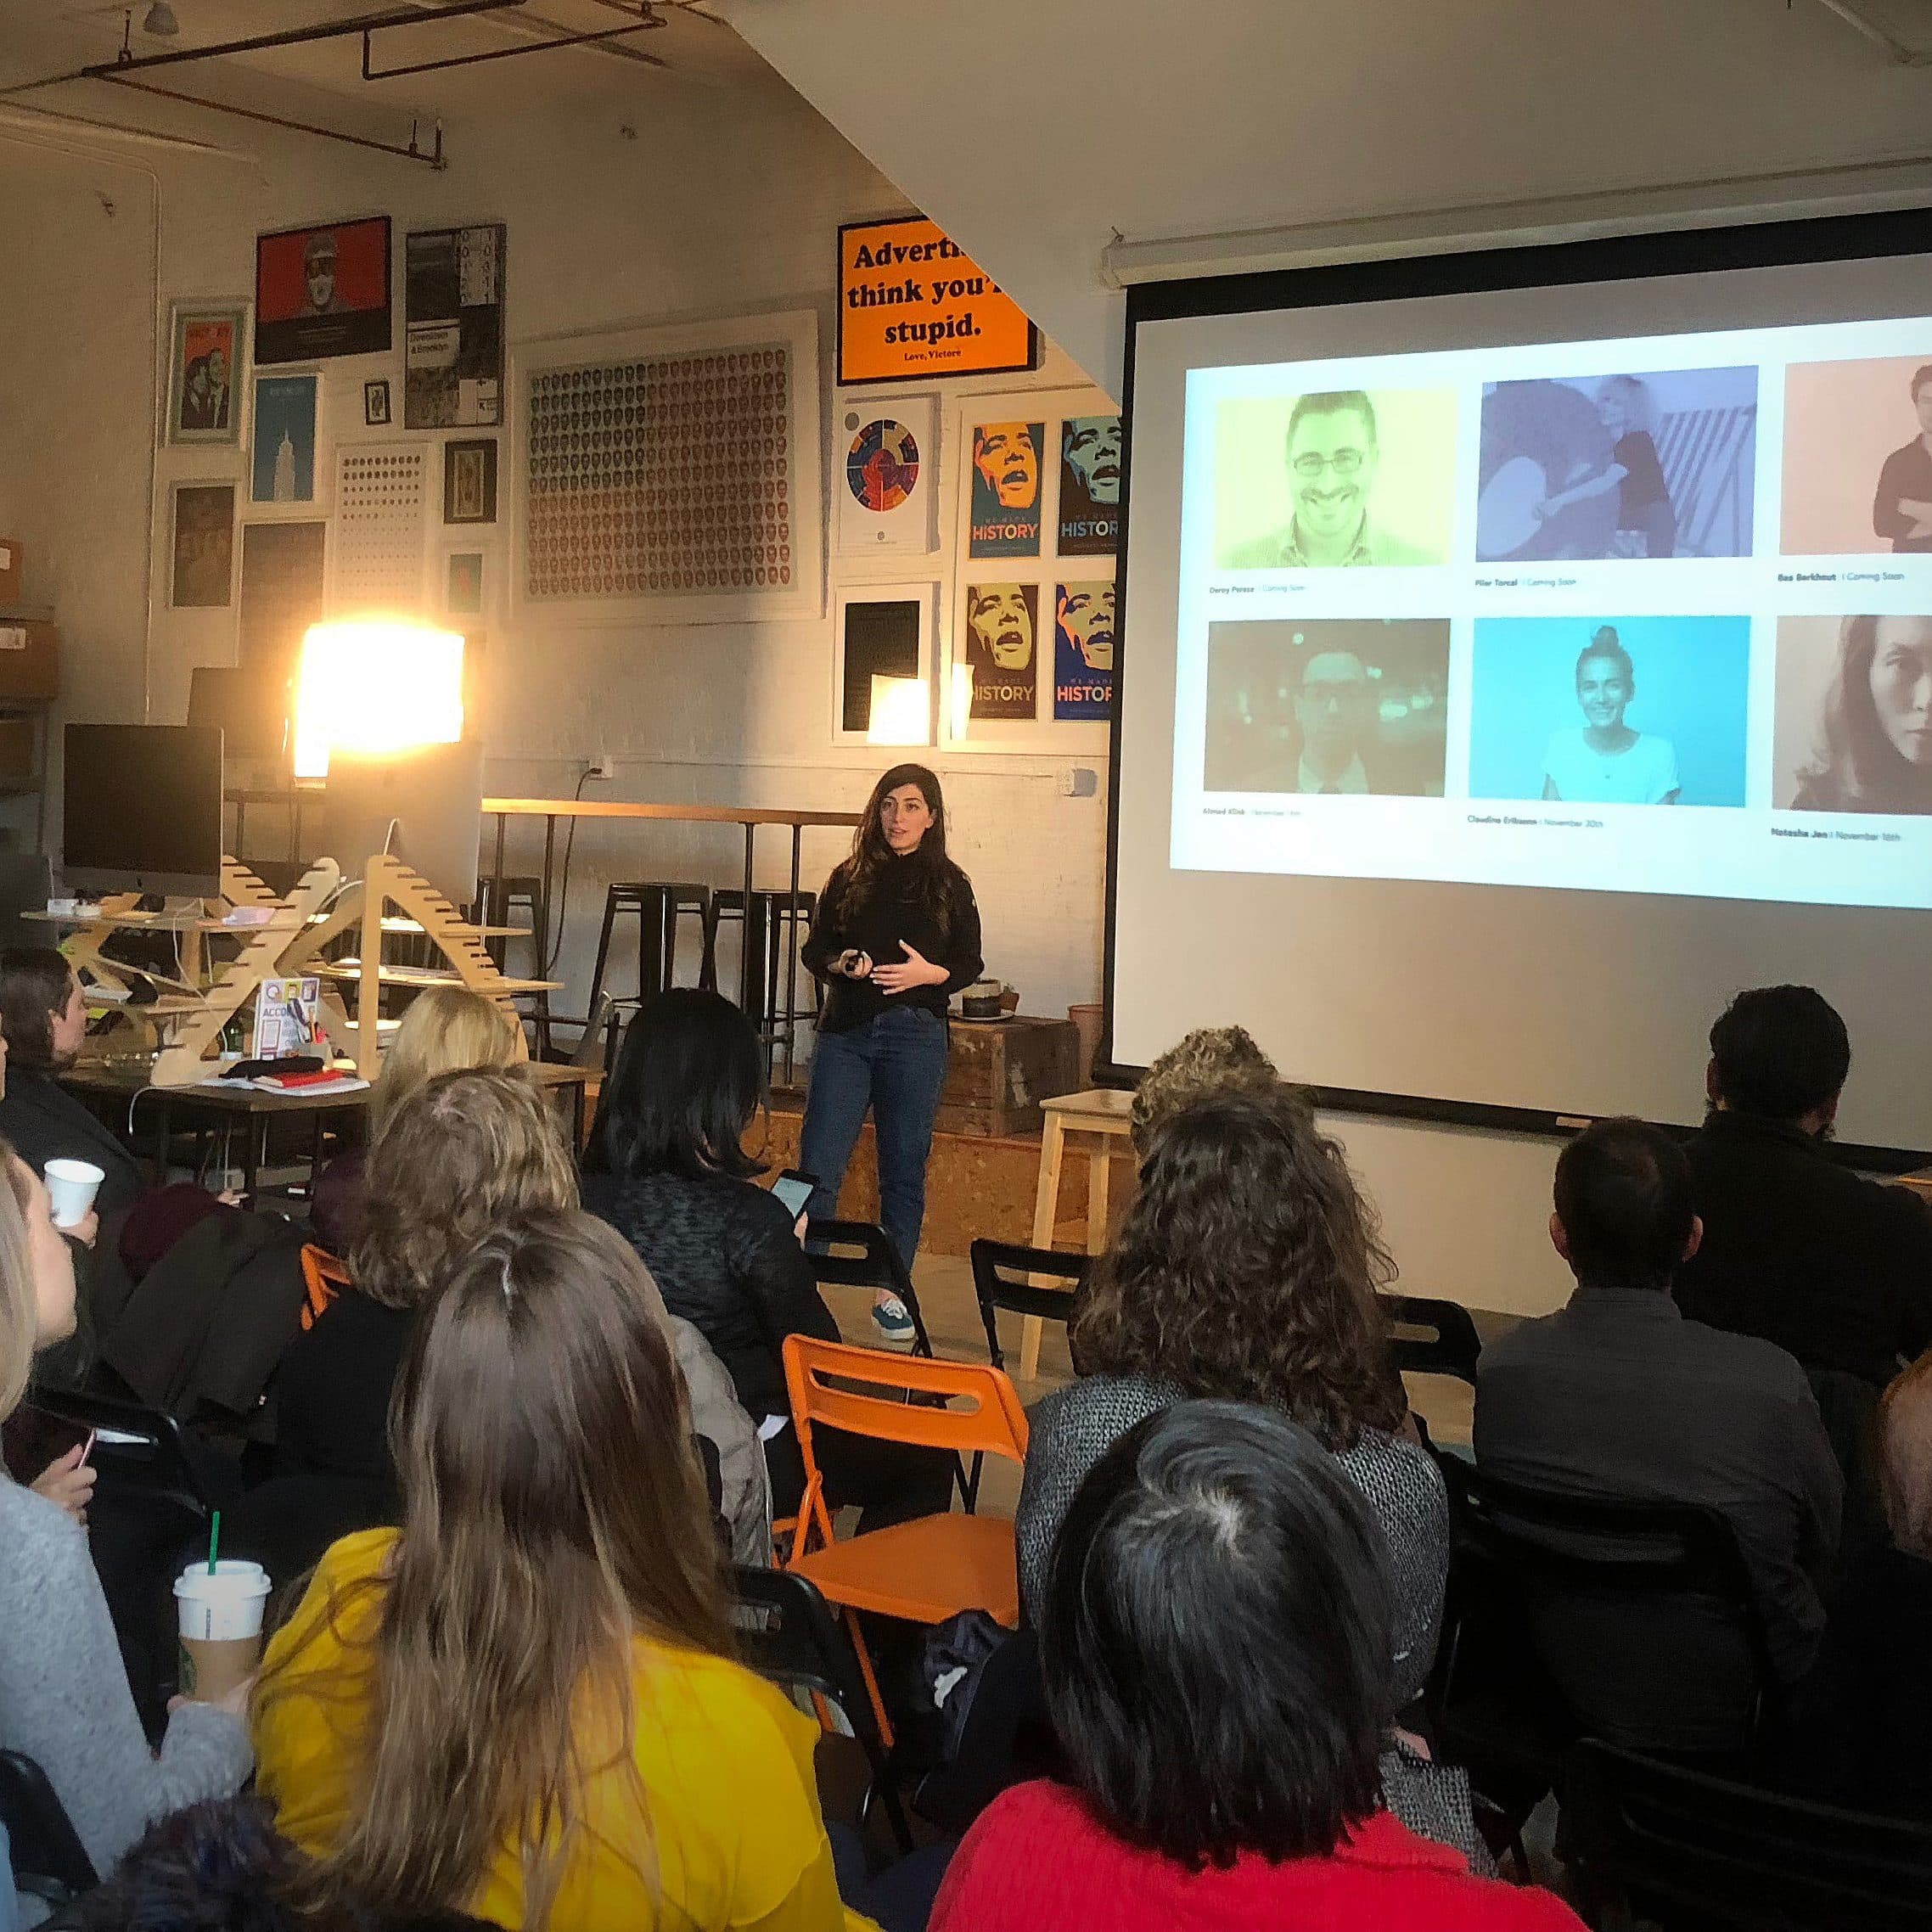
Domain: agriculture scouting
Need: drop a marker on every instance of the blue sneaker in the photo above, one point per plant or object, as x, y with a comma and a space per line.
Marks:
894, 1323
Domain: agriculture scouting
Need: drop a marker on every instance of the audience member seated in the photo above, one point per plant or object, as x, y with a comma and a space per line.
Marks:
460, 1154
220, 1866
727, 1255
523, 1705
1210, 1060
1835, 1269
1620, 1394
443, 1030
1246, 1269
1216, 1633
63, 1693
44, 1016
1870, 1702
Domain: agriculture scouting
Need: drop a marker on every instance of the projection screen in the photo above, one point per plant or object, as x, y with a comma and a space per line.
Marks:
1523, 651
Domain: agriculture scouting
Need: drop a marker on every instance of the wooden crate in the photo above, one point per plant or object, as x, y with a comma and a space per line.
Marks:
1000, 1073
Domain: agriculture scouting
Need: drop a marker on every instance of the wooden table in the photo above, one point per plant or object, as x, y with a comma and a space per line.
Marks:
128, 1079
1103, 1116
550, 810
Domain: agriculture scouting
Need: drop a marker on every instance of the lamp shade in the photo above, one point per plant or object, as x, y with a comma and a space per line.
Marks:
375, 684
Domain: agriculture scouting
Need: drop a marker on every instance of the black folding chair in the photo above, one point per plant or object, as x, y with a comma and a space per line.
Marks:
1427, 1337
137, 1449
1680, 1848
858, 1254
1002, 1273
49, 1859
1641, 1616
787, 1634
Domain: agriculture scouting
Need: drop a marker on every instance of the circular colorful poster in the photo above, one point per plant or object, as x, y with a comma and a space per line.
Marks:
882, 467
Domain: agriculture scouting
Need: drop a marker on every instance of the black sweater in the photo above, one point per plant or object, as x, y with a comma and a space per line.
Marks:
725, 1256
893, 914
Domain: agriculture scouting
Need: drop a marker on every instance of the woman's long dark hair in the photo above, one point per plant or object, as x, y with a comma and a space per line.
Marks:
1857, 766
856, 879
34, 982
1246, 1270
688, 1080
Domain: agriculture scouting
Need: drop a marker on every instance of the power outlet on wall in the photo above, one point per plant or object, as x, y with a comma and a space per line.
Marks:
603, 765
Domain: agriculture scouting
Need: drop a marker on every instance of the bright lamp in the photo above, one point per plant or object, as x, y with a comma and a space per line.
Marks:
375, 684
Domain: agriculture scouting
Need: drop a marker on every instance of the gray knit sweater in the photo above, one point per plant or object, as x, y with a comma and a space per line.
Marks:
63, 1695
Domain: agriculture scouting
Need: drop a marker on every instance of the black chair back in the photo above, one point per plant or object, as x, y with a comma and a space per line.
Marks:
858, 1254
786, 1633
1002, 1272
1642, 1614
1427, 1337
137, 1449
49, 1859
1681, 1848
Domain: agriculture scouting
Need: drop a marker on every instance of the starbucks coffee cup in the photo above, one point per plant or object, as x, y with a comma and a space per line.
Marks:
71, 1186
221, 1626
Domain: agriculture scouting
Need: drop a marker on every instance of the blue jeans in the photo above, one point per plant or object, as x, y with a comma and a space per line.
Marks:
895, 1063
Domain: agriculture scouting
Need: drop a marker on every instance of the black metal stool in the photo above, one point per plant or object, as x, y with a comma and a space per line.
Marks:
775, 928
495, 908
658, 904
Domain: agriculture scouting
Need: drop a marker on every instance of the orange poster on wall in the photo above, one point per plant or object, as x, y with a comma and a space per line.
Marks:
913, 306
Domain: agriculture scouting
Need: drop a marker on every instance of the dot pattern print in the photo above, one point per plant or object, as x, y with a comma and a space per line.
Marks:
670, 475
380, 503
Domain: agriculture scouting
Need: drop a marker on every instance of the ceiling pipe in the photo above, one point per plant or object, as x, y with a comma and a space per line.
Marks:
1879, 35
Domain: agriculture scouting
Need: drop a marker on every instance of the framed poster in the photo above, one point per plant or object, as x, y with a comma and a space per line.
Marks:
281, 462
1008, 482
282, 593
913, 304
375, 404
1089, 522
207, 342
384, 492
202, 542
670, 473
888, 476
463, 583
469, 481
883, 664
323, 291
452, 327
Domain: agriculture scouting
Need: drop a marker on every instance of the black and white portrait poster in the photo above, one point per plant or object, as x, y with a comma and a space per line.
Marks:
452, 294
1090, 486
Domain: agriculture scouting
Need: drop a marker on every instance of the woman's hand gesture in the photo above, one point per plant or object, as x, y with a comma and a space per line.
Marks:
915, 970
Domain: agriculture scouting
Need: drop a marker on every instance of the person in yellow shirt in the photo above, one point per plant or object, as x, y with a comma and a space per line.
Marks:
523, 1705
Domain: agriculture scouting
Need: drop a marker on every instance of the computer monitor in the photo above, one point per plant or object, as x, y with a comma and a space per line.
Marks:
423, 807
142, 808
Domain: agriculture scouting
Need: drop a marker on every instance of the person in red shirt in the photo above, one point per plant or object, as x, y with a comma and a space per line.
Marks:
1214, 1645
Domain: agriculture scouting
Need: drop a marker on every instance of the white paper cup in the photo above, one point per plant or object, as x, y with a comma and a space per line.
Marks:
219, 1608
71, 1186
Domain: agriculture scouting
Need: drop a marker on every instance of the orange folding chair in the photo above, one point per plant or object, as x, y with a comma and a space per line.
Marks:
934, 1566
324, 1278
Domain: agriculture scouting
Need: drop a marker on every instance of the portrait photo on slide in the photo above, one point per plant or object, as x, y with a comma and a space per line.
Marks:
1610, 711
1854, 729
1344, 705
1618, 465
1334, 477
1858, 456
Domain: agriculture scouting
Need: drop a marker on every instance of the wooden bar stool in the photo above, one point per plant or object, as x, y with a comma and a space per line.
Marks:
1104, 1117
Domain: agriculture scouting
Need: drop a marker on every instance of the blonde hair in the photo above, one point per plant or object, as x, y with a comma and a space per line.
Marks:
455, 1157
445, 1029
1210, 1060
1905, 1456
554, 1510
19, 1317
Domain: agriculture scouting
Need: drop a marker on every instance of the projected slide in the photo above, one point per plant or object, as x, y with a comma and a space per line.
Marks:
1650, 616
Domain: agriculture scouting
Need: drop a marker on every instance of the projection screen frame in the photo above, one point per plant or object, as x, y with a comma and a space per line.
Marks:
1637, 256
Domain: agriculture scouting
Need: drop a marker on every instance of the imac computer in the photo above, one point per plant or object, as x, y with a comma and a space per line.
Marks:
142, 809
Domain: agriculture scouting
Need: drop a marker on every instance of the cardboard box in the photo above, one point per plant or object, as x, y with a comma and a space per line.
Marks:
30, 660
12, 576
